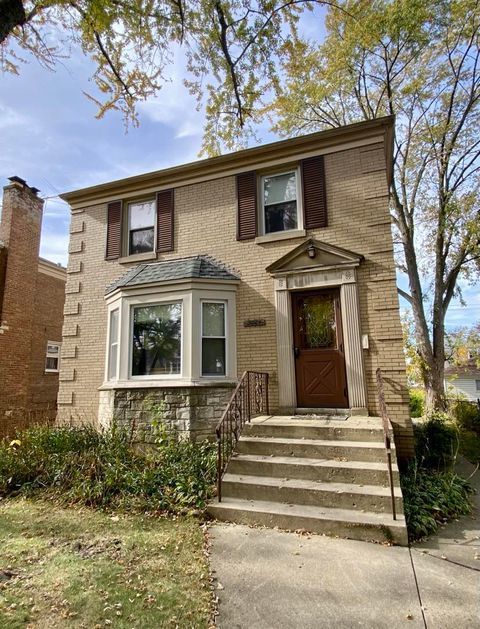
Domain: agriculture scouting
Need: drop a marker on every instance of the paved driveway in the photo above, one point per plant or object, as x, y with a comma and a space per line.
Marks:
272, 579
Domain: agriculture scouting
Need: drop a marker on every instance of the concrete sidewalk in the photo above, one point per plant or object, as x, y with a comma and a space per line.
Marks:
273, 579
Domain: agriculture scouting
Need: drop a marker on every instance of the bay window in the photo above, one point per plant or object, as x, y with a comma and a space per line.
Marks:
182, 334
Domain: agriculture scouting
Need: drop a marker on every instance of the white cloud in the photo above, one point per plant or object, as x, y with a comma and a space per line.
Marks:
174, 106
10, 117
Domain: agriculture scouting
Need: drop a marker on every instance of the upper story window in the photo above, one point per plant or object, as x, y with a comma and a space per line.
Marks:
156, 339
52, 360
477, 385
141, 227
280, 202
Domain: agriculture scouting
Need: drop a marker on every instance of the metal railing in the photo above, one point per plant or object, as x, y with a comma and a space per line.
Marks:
249, 399
387, 433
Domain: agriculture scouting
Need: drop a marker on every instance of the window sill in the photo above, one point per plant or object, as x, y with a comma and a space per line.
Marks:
138, 257
166, 383
286, 235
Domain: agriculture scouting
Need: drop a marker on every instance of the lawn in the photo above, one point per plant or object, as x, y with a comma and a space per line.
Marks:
66, 567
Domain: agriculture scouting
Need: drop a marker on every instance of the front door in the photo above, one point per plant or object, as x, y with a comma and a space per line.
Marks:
319, 355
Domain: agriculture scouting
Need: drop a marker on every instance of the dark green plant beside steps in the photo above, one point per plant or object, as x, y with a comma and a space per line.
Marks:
432, 492
105, 470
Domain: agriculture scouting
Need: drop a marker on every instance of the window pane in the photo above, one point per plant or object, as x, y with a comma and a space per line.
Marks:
280, 188
112, 361
141, 240
477, 382
113, 350
156, 343
114, 326
52, 350
213, 357
141, 215
280, 217
318, 322
213, 319
51, 363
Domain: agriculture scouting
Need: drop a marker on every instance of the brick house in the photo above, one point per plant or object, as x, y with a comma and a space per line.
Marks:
276, 259
204, 229
32, 295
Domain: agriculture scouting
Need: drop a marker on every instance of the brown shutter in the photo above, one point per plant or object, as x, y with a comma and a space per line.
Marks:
165, 220
114, 230
314, 192
247, 206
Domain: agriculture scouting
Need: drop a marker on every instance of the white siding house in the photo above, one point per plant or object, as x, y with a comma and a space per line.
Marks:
463, 381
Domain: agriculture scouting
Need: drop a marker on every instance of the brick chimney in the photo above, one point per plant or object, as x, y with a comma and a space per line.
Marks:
20, 228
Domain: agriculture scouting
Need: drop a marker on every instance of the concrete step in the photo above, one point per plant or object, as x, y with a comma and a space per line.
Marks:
376, 527
370, 498
314, 448
327, 470
315, 429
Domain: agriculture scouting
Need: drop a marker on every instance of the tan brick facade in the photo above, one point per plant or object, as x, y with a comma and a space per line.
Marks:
205, 223
31, 314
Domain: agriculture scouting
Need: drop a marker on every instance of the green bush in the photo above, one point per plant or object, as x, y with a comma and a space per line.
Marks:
436, 442
432, 498
81, 465
417, 402
466, 414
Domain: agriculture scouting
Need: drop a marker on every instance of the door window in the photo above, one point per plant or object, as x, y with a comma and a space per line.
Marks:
317, 323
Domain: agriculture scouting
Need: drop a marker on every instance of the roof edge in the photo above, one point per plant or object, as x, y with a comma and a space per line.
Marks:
216, 165
50, 268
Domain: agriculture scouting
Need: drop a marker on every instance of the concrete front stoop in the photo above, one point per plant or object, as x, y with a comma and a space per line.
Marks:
319, 475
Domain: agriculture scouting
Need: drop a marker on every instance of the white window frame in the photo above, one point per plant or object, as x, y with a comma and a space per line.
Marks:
162, 302
225, 336
127, 222
57, 356
192, 293
111, 342
299, 199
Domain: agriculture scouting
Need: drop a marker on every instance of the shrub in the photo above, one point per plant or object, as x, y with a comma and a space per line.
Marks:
466, 414
81, 465
436, 442
417, 402
432, 498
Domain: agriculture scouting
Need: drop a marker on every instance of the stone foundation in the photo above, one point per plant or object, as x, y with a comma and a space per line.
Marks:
192, 411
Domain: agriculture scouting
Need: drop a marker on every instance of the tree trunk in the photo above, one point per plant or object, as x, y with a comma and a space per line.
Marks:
435, 387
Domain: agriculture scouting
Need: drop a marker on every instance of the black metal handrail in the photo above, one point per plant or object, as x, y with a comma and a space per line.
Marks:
249, 399
387, 432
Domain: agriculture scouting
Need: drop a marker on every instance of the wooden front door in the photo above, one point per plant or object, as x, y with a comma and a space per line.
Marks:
319, 353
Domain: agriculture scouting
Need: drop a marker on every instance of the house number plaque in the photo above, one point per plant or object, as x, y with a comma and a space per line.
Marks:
254, 323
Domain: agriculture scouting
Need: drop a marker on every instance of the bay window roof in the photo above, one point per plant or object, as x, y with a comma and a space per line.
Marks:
193, 267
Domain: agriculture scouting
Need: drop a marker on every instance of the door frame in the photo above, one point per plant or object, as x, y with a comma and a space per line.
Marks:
345, 279
334, 293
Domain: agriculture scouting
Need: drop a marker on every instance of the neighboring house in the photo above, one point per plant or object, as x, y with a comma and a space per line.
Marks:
463, 380
32, 295
278, 258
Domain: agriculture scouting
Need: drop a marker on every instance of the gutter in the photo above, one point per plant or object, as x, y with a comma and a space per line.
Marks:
380, 129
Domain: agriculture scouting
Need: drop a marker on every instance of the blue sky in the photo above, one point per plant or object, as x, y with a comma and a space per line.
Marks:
50, 137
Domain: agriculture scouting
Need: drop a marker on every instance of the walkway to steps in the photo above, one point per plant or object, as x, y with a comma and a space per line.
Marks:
320, 475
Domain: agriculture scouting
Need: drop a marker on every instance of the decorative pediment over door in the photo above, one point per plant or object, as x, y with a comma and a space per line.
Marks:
315, 265
314, 255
